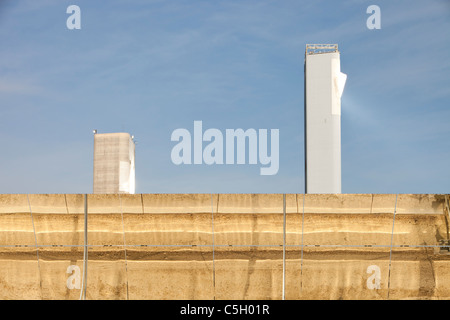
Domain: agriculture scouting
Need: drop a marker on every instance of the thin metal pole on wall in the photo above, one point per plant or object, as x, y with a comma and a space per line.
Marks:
124, 244
213, 246
392, 242
85, 251
36, 245
284, 245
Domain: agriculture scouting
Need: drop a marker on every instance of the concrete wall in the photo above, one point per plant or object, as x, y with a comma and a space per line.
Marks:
114, 163
226, 246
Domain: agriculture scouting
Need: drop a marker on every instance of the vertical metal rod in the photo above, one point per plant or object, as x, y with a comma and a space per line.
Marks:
124, 244
85, 258
301, 258
305, 126
212, 224
447, 217
284, 245
36, 244
392, 241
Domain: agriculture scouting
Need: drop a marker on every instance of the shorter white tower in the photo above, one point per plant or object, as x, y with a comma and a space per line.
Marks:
324, 84
114, 167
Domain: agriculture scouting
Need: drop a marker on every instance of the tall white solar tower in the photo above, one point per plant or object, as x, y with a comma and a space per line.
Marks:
114, 167
324, 84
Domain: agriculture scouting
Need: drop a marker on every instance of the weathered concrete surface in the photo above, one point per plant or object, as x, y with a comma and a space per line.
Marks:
114, 163
203, 246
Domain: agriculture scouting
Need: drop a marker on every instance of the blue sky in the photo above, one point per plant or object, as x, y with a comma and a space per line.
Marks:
150, 67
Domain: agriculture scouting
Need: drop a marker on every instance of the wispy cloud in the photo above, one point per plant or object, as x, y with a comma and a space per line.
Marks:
9, 86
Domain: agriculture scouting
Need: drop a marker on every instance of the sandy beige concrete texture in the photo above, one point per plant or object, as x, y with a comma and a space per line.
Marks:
225, 246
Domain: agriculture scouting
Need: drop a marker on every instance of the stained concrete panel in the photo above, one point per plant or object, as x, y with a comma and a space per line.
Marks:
16, 223
248, 273
336, 203
168, 229
178, 203
342, 274
107, 274
54, 265
54, 224
168, 273
184, 219
420, 203
20, 277
417, 273
253, 219
253, 203
105, 225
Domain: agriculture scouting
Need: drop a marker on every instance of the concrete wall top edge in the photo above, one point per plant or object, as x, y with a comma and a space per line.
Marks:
299, 194
223, 203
